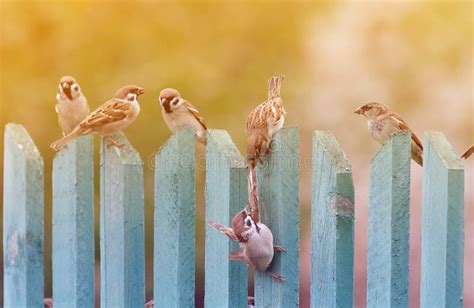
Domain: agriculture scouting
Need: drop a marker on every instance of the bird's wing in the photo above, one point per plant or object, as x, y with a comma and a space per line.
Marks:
404, 126
223, 229
111, 111
265, 114
196, 114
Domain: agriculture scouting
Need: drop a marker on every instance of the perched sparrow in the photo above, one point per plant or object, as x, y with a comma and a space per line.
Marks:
72, 105
468, 152
179, 113
113, 116
383, 123
255, 241
264, 121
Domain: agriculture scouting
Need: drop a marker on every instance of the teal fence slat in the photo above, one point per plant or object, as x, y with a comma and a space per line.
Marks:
389, 224
174, 222
226, 194
442, 247
23, 203
73, 225
122, 242
332, 222
278, 180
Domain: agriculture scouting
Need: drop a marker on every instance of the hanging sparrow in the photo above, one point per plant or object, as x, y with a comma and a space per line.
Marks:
179, 113
110, 118
72, 105
383, 123
264, 121
255, 242
468, 152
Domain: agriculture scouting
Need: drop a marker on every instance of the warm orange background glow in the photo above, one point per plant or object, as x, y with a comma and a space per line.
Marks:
415, 57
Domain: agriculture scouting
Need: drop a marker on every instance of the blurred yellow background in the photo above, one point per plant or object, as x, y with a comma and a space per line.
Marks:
415, 57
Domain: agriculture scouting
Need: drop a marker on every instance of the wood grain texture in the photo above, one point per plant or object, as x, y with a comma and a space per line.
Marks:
389, 224
174, 222
226, 194
73, 225
442, 247
122, 240
332, 225
278, 180
23, 214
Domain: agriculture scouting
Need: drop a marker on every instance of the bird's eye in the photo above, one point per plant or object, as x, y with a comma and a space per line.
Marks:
75, 87
248, 222
175, 101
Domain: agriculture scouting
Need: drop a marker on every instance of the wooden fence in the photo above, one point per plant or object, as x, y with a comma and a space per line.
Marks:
332, 221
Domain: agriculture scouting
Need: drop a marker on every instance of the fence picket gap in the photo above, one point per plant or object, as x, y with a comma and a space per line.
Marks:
278, 180
73, 225
23, 214
122, 240
332, 222
389, 224
226, 194
174, 224
442, 246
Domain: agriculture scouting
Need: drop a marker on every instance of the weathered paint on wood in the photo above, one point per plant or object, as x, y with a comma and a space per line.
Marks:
389, 224
23, 203
442, 246
332, 223
174, 222
122, 243
73, 225
278, 180
226, 194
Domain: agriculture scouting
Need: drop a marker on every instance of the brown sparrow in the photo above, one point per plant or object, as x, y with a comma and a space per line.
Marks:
468, 152
110, 118
179, 113
264, 121
72, 105
255, 242
383, 123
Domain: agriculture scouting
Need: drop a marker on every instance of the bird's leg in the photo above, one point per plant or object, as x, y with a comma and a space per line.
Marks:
275, 276
149, 304
112, 142
279, 248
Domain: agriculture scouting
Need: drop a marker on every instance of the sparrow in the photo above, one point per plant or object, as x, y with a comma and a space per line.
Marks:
383, 122
71, 105
255, 242
179, 113
468, 152
110, 118
264, 121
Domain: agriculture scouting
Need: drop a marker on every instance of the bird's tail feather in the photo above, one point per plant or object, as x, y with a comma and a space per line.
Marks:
253, 192
274, 86
59, 144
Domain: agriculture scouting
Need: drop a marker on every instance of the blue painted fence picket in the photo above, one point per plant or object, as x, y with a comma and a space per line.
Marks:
174, 222
23, 203
389, 224
278, 184
73, 225
332, 262
442, 248
122, 236
226, 194
332, 223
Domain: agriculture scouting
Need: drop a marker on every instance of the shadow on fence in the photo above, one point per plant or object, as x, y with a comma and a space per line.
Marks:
332, 236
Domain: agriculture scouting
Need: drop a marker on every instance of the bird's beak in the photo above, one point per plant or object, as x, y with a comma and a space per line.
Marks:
358, 110
67, 90
141, 91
